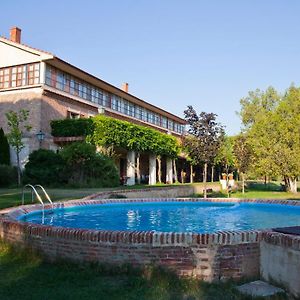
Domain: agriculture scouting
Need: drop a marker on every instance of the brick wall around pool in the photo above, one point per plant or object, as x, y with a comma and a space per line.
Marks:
218, 256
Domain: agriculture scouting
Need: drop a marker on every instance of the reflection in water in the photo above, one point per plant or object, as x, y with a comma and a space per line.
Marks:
172, 216
133, 219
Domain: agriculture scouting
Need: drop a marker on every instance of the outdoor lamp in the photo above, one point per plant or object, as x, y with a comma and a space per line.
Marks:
40, 136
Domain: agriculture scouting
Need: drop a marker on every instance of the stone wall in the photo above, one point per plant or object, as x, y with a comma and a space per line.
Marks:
157, 192
280, 260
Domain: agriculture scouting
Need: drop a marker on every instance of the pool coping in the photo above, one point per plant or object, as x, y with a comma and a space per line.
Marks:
8, 218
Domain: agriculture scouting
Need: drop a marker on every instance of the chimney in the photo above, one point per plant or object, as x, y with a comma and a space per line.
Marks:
125, 87
15, 35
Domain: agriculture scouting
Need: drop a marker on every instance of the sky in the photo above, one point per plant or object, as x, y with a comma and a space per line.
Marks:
208, 54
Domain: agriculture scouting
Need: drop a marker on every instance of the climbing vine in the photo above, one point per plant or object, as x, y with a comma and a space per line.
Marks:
109, 131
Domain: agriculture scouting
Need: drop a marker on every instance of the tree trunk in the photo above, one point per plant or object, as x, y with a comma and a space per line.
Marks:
175, 171
18, 168
138, 171
243, 182
204, 181
212, 173
159, 168
292, 185
191, 174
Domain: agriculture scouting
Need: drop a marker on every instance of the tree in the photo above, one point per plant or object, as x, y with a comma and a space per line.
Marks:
204, 140
45, 167
225, 156
243, 156
85, 167
4, 149
15, 121
272, 123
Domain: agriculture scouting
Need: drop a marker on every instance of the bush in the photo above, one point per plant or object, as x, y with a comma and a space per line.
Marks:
8, 175
44, 167
71, 127
85, 167
4, 149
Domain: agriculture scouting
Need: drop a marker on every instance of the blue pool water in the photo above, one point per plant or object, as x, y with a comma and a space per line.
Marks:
201, 217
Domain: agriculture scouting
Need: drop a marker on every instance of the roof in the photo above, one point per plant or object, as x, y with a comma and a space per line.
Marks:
25, 47
56, 61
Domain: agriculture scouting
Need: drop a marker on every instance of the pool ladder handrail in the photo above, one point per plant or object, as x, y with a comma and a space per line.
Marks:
45, 193
33, 189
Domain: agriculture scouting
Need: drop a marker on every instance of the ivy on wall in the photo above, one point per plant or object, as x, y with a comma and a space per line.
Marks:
71, 127
106, 131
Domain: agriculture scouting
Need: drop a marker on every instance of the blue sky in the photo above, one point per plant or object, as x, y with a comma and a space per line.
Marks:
208, 54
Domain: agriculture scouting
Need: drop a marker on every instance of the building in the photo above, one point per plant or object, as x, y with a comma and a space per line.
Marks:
51, 88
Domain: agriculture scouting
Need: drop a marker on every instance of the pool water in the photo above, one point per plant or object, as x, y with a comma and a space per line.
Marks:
201, 217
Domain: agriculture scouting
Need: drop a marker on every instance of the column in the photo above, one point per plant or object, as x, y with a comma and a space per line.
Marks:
130, 168
152, 169
169, 175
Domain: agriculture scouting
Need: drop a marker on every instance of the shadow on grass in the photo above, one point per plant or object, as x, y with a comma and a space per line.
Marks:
24, 275
261, 186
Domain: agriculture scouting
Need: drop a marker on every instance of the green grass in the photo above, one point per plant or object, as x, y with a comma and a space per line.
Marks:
12, 196
25, 276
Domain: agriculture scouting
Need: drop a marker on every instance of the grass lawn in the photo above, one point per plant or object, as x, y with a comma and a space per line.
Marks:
12, 196
25, 276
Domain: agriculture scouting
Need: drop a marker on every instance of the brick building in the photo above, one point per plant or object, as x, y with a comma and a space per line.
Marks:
51, 88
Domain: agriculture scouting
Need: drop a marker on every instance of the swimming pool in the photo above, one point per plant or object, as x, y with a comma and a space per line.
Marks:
211, 239
185, 216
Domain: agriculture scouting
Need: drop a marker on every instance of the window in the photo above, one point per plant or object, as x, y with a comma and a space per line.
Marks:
76, 87
157, 119
33, 74
150, 117
164, 122
21, 75
171, 125
73, 115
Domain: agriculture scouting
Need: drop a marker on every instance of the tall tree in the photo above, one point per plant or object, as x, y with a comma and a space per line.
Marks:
272, 125
225, 156
243, 155
4, 149
204, 140
17, 125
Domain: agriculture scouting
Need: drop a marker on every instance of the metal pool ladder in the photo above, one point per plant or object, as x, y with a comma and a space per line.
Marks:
33, 190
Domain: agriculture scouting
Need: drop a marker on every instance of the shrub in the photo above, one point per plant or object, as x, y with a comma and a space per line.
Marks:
4, 149
71, 127
44, 167
8, 175
85, 167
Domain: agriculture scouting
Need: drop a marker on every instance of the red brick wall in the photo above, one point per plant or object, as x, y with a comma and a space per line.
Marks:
218, 256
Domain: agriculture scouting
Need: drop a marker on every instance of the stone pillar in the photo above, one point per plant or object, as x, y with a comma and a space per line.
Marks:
152, 169
169, 177
130, 168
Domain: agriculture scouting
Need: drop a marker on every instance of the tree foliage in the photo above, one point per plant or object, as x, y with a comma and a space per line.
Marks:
77, 164
204, 139
109, 131
225, 156
45, 167
4, 149
205, 136
243, 156
272, 124
85, 167
16, 122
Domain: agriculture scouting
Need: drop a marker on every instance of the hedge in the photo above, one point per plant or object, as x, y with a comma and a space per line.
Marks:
71, 127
